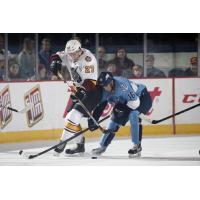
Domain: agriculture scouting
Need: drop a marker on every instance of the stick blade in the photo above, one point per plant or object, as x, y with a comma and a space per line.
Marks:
146, 119
22, 153
31, 156
155, 121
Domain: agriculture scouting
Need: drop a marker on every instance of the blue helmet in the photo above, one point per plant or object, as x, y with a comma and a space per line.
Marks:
104, 78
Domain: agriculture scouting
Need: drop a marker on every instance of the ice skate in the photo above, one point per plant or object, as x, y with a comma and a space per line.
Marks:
98, 151
135, 151
58, 150
79, 149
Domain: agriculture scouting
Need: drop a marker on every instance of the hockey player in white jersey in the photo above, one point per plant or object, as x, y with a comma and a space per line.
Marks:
82, 66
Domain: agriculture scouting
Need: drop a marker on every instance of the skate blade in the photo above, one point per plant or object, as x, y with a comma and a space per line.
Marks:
82, 154
96, 154
137, 155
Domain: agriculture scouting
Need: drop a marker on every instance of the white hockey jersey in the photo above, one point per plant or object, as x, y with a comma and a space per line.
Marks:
86, 66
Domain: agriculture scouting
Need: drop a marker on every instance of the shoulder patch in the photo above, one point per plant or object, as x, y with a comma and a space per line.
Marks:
124, 87
88, 58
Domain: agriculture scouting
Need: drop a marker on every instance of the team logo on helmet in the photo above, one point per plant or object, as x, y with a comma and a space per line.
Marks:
107, 76
88, 58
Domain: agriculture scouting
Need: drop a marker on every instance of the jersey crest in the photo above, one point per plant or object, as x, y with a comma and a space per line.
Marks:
88, 58
124, 87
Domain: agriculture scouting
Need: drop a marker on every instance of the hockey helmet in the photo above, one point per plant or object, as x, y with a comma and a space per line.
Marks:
104, 79
72, 46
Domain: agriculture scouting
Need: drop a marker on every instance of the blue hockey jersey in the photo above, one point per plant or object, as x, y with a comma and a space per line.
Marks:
124, 91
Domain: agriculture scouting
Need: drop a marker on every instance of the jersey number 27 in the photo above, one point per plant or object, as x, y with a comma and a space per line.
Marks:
89, 69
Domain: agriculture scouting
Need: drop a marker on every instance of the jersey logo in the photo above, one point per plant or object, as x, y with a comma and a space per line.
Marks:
124, 87
89, 69
88, 58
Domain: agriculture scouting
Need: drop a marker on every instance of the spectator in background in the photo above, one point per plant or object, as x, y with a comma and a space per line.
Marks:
2, 67
42, 72
137, 71
122, 62
2, 45
26, 59
13, 70
111, 67
3, 56
151, 70
134, 72
102, 63
2, 48
192, 70
45, 53
176, 72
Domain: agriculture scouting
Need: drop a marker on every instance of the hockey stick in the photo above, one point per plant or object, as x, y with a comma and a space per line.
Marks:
85, 109
90, 116
153, 121
53, 147
24, 110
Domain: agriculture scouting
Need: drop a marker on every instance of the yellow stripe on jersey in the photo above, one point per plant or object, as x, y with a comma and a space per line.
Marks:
94, 81
72, 127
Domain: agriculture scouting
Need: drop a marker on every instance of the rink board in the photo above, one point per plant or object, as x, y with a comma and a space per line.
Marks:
46, 119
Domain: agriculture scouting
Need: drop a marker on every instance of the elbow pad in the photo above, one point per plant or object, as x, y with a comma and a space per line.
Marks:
133, 104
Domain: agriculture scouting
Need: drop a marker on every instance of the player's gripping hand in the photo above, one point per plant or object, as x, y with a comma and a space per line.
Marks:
71, 87
119, 109
91, 125
80, 93
120, 113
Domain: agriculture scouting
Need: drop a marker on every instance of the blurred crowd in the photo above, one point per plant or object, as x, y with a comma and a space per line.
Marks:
22, 66
121, 65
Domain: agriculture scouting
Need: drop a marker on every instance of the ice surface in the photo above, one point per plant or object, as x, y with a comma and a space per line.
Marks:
177, 151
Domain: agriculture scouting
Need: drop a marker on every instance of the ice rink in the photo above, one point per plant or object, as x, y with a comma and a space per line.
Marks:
175, 151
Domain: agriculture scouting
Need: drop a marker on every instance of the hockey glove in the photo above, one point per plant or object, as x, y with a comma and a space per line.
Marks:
120, 109
97, 112
120, 113
80, 93
74, 98
91, 125
56, 66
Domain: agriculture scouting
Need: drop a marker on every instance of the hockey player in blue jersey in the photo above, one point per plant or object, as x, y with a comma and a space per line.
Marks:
129, 100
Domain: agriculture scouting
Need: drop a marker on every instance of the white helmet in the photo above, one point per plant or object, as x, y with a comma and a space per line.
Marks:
72, 46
